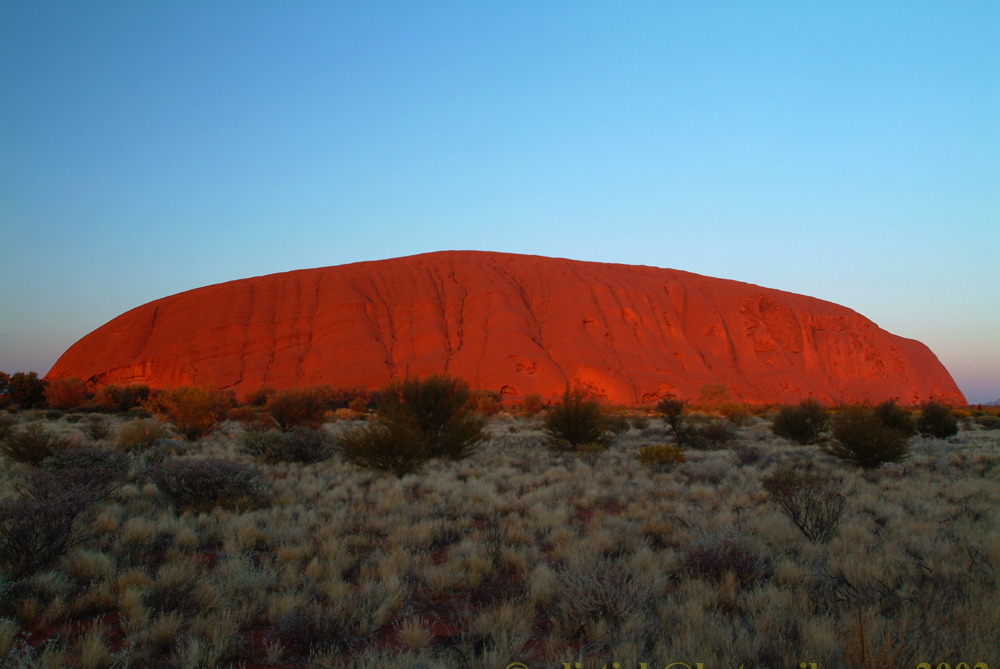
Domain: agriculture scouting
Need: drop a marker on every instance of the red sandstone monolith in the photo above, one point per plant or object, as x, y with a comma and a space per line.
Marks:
514, 324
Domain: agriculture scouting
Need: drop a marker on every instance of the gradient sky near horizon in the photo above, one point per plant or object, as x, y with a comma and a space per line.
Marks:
847, 151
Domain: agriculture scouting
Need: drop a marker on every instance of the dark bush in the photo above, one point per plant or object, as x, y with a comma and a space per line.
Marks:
259, 397
7, 425
437, 408
813, 504
745, 454
300, 444
736, 413
300, 407
89, 470
96, 427
714, 434
25, 390
306, 631
803, 424
32, 444
202, 485
616, 423
639, 421
384, 445
713, 563
577, 420
33, 533
860, 437
988, 422
894, 416
121, 398
936, 421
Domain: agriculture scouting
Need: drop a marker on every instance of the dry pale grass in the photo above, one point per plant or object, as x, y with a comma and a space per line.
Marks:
520, 554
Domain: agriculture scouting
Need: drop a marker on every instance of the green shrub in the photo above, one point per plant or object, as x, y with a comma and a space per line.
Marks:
298, 407
252, 419
894, 416
121, 398
736, 413
813, 504
66, 394
32, 444
194, 412
417, 420
25, 390
616, 423
485, 402
141, 434
532, 403
661, 458
391, 446
714, 434
936, 421
860, 437
202, 485
988, 422
33, 533
803, 424
300, 444
577, 420
437, 408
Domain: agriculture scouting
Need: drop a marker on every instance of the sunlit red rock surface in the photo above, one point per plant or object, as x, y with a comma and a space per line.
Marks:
511, 323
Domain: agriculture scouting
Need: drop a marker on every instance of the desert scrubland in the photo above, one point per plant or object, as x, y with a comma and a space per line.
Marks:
517, 553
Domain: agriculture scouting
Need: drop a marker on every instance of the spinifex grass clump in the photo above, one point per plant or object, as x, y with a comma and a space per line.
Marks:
417, 420
576, 420
803, 424
936, 421
812, 503
139, 435
661, 458
860, 436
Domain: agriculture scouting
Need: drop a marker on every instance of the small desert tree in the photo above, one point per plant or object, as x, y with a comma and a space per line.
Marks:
417, 420
577, 420
813, 504
803, 424
860, 436
936, 421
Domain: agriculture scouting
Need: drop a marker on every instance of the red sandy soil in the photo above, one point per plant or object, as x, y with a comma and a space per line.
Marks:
514, 324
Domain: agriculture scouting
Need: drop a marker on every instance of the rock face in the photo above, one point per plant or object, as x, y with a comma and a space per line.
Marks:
514, 324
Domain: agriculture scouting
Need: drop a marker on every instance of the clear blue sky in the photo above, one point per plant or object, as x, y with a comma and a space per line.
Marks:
848, 151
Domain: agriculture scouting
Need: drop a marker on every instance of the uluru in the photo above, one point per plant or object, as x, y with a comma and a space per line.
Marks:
515, 324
